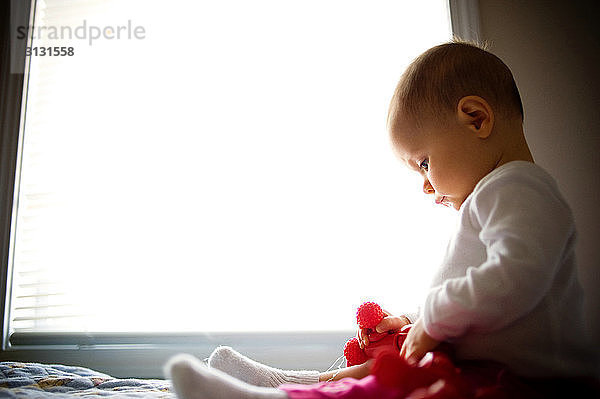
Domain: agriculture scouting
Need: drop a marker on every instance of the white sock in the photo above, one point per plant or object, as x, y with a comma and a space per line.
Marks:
239, 366
193, 380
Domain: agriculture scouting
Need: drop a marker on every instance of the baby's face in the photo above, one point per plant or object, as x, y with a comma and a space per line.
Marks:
446, 155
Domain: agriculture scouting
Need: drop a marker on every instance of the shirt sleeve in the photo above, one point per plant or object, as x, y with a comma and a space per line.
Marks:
525, 226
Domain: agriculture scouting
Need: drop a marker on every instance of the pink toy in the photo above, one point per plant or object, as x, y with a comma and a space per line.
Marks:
368, 316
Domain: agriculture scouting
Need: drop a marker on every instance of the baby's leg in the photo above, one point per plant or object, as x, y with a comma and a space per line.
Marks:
358, 372
243, 368
192, 380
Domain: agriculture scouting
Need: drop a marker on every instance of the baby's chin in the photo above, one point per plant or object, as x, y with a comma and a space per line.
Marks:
456, 203
452, 205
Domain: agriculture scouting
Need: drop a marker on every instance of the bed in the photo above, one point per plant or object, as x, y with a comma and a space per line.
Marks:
52, 381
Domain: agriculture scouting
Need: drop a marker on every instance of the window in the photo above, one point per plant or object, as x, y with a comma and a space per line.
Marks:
218, 167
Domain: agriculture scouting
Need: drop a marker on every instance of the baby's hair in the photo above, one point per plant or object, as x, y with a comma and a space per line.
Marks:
434, 82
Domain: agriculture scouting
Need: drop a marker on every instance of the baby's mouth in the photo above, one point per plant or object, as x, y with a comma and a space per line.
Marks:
443, 201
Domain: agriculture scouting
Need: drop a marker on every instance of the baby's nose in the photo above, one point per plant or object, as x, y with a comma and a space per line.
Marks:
428, 188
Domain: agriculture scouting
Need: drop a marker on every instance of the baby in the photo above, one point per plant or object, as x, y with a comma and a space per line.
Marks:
507, 289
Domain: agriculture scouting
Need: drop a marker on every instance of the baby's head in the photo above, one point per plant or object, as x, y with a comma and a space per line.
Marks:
455, 116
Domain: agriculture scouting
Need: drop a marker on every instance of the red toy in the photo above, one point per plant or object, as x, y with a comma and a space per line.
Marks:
368, 316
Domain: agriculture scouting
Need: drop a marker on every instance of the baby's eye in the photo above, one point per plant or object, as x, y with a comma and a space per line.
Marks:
424, 165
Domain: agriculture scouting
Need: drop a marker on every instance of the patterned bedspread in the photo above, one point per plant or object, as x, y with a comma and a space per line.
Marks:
34, 380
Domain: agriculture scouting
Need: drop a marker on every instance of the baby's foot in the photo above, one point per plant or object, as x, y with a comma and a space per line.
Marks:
243, 368
192, 380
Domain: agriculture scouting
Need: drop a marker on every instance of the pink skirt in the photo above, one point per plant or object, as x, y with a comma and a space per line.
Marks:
347, 388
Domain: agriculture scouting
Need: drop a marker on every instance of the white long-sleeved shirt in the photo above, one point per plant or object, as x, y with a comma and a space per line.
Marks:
507, 289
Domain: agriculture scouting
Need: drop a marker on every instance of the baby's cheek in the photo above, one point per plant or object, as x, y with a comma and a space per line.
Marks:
444, 181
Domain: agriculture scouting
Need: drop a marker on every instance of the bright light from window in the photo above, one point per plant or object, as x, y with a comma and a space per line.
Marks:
230, 171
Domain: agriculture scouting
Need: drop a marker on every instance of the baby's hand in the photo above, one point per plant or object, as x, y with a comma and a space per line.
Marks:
389, 323
417, 343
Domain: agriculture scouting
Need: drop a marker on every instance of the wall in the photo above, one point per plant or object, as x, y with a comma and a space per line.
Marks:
553, 49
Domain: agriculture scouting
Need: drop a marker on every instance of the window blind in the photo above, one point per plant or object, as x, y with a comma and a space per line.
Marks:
228, 171
42, 299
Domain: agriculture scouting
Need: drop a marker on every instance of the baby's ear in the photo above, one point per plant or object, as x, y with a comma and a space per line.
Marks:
477, 115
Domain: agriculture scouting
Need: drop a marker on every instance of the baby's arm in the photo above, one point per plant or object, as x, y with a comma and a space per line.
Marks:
525, 228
